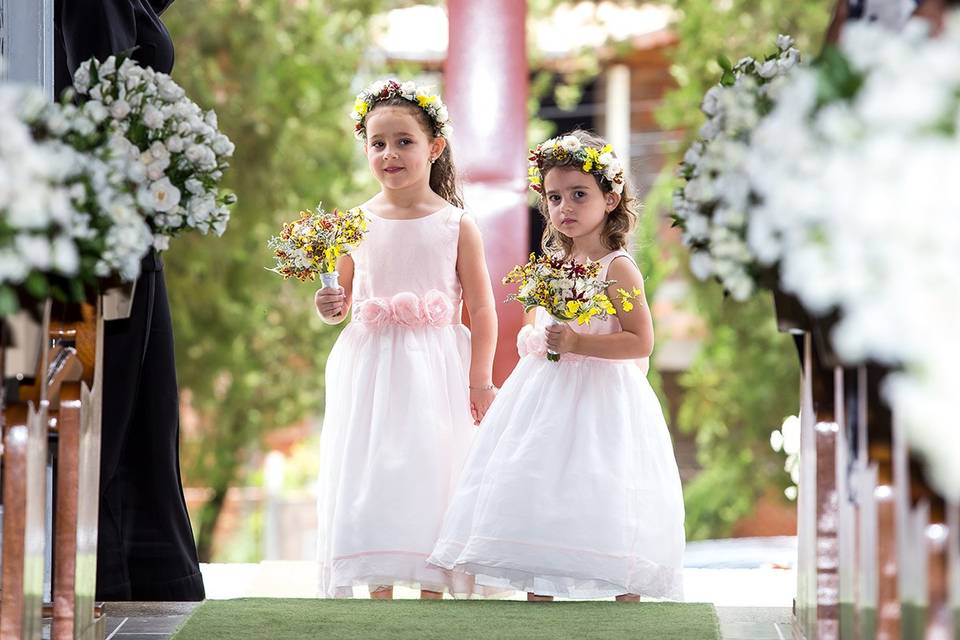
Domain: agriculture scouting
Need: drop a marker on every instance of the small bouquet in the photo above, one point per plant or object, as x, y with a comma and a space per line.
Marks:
566, 289
312, 244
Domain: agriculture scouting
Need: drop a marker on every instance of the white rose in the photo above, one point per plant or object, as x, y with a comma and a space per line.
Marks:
211, 118
175, 144
161, 242
711, 100
768, 69
34, 250
789, 60
157, 170
194, 186
120, 109
137, 172
159, 196
57, 123
408, 88
66, 258
570, 143
784, 42
84, 126
222, 146
701, 264
96, 111
152, 117
81, 79
108, 67
169, 90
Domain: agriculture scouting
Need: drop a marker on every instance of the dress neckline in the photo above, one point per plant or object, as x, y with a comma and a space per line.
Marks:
429, 215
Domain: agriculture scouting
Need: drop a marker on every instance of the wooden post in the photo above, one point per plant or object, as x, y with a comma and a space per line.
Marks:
78, 480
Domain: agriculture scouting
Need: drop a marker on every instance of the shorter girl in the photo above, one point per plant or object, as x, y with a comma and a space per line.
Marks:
572, 488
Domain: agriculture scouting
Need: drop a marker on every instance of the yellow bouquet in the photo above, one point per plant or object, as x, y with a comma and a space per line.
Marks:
311, 245
566, 289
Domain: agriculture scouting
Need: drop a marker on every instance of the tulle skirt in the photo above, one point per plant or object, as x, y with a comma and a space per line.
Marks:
571, 488
396, 431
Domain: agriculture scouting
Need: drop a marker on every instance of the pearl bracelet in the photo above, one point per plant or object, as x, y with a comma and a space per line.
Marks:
486, 387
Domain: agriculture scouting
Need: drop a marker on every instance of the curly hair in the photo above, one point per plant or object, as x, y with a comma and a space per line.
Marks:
617, 225
443, 173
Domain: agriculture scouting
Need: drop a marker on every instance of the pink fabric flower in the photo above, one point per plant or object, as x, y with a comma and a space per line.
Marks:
437, 308
375, 312
407, 310
531, 340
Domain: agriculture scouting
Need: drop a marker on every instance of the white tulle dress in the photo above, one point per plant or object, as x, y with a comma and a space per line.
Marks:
397, 426
572, 487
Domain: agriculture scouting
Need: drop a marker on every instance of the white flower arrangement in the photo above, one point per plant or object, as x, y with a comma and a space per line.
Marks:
858, 209
174, 151
420, 96
67, 215
711, 207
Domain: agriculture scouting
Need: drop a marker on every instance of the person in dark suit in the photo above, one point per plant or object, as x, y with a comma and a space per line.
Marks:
146, 550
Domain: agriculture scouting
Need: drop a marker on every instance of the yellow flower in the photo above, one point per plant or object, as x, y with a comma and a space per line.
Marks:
573, 306
361, 106
426, 101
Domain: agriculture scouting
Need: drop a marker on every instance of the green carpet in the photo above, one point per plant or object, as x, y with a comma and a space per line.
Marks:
284, 619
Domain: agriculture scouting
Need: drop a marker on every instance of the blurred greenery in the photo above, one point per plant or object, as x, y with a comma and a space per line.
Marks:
744, 381
250, 349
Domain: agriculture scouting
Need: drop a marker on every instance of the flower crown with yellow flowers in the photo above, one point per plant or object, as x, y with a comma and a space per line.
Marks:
600, 162
386, 89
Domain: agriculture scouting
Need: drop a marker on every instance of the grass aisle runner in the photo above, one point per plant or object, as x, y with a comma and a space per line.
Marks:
289, 619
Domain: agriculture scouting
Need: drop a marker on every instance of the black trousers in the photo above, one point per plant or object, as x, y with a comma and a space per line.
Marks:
145, 549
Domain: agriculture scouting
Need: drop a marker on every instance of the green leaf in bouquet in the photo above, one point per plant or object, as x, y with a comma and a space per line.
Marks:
728, 79
725, 63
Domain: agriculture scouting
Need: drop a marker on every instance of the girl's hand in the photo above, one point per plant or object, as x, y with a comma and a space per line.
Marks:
330, 302
480, 401
561, 338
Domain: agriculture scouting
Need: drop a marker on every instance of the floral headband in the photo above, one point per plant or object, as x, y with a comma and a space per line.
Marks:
600, 162
386, 89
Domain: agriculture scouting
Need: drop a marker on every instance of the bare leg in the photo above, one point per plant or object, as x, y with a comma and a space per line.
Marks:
532, 597
426, 594
628, 597
382, 592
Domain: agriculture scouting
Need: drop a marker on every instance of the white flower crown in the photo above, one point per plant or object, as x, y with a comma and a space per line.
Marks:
382, 90
600, 162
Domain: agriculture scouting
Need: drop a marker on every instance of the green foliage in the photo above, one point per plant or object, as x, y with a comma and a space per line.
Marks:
744, 381
739, 388
250, 350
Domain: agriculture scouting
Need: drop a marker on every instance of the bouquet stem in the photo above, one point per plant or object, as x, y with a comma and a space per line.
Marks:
330, 279
552, 356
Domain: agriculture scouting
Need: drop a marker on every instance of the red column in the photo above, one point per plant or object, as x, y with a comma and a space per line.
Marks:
485, 86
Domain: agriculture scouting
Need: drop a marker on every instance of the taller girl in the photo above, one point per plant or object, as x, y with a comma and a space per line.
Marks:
406, 381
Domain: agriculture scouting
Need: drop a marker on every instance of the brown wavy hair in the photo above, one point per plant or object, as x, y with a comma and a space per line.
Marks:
443, 173
618, 224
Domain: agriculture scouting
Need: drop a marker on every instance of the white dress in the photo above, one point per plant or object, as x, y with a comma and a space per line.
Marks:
397, 425
572, 487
